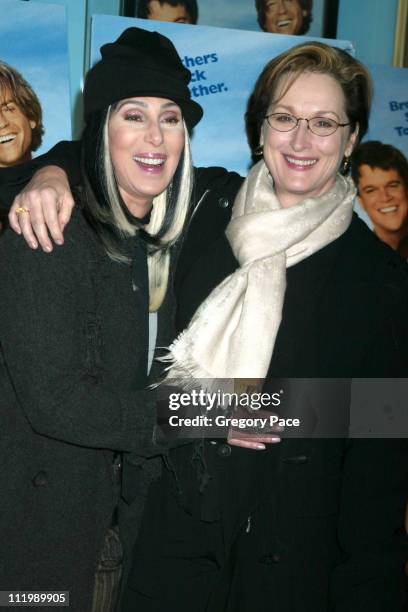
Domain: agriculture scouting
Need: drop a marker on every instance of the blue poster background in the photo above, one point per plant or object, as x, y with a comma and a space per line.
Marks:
33, 39
389, 116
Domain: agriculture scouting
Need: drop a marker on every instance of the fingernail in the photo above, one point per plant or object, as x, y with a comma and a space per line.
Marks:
59, 242
33, 245
47, 249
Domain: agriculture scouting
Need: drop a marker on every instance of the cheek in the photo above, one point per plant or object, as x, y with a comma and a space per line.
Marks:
175, 146
120, 142
369, 203
274, 141
402, 196
28, 131
333, 150
116, 138
272, 157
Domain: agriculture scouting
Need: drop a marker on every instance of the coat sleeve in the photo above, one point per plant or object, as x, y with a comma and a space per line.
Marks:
44, 349
65, 154
371, 531
375, 477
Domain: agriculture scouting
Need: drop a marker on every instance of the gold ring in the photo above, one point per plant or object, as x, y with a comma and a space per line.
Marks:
21, 209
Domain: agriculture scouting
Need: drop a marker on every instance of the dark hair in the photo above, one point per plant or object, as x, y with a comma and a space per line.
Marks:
26, 100
353, 78
191, 7
376, 154
305, 5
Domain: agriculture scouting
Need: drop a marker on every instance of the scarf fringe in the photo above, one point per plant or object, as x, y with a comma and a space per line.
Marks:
184, 372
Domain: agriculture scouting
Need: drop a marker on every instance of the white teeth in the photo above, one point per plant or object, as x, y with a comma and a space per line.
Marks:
7, 138
283, 24
388, 209
301, 162
149, 161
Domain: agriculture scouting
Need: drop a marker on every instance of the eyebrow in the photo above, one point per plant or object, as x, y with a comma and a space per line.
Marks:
316, 114
372, 186
142, 104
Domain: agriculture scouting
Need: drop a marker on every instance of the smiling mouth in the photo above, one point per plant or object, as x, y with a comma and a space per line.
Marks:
284, 23
7, 138
388, 209
301, 163
149, 161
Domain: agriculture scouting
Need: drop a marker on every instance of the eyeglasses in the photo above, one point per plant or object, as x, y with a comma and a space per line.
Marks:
321, 126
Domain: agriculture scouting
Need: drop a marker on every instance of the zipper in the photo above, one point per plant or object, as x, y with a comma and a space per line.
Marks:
197, 206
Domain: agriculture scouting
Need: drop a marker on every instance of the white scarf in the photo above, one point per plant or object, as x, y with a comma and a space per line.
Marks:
233, 332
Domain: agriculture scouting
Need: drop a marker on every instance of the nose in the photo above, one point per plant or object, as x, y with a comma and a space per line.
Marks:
281, 6
154, 134
300, 136
385, 194
3, 119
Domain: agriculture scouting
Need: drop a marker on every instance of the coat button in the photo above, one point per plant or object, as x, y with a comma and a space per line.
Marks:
296, 460
117, 471
224, 450
40, 479
223, 203
270, 559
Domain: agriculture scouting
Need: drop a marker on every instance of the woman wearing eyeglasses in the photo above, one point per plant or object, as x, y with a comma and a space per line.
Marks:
290, 285
297, 286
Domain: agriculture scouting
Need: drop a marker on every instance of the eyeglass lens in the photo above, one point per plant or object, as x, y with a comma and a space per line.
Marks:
321, 126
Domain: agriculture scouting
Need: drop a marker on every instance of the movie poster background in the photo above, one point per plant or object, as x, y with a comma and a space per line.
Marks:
242, 15
33, 39
225, 64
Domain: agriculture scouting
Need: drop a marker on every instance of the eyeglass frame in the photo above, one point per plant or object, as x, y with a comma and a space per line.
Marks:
307, 121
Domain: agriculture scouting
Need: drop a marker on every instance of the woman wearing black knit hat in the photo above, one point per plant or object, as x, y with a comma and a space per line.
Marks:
74, 327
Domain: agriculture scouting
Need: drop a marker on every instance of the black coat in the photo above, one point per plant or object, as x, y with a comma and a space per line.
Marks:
73, 338
98, 328
92, 283
307, 524
327, 515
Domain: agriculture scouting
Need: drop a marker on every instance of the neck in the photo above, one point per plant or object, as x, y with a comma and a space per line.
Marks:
137, 208
393, 239
25, 158
288, 199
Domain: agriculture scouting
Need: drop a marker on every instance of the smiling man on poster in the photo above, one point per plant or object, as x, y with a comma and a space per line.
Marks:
21, 128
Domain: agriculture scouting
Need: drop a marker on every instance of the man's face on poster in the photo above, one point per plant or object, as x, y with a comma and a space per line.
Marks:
384, 197
15, 132
167, 12
283, 16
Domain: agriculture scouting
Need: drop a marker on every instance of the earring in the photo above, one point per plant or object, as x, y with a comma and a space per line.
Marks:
346, 164
258, 151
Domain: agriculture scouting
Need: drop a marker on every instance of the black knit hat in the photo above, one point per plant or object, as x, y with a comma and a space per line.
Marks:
140, 63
